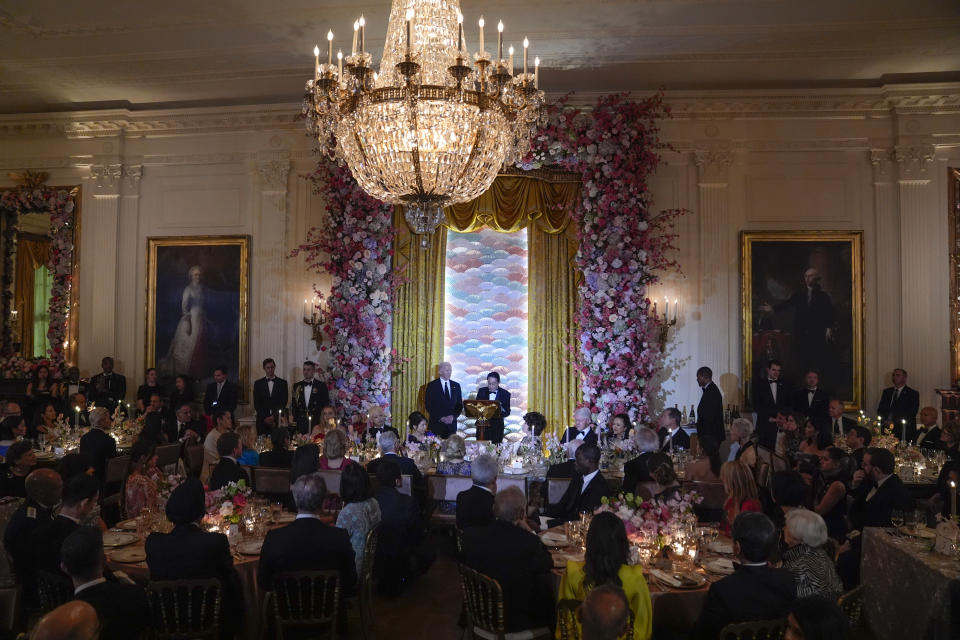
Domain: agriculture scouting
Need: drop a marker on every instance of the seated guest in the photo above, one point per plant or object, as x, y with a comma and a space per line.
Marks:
182, 393
877, 491
248, 445
35, 515
13, 427
452, 452
505, 549
606, 563
741, 490
755, 591
222, 423
663, 484
44, 419
360, 512
97, 443
671, 435
228, 469
582, 428
788, 492
839, 424
190, 553
417, 428
80, 497
741, 445
831, 497
475, 505
706, 468
334, 452
188, 429
153, 429
566, 469
815, 440
389, 445
123, 609
307, 544
306, 460
635, 471
400, 532
280, 455
620, 428
928, 433
141, 490
328, 418
789, 437
586, 489
532, 428
147, 389
811, 564
858, 439
20, 461
816, 618
604, 614
75, 620
377, 424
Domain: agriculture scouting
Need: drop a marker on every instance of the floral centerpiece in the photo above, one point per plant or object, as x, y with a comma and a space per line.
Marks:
883, 435
475, 449
555, 451
654, 520
225, 505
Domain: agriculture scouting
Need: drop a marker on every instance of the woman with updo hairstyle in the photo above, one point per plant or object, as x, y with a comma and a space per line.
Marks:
620, 426
335, 451
535, 423
453, 451
417, 428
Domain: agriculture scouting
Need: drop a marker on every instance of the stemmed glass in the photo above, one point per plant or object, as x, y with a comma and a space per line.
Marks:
896, 518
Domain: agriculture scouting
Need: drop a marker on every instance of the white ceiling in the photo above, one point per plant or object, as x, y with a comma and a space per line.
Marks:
57, 55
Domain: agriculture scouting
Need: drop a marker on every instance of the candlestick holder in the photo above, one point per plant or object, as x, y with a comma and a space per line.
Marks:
317, 320
663, 330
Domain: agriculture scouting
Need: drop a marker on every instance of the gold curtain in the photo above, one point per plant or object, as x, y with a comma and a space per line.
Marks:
32, 252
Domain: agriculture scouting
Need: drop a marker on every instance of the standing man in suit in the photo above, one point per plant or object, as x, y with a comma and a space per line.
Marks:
928, 433
812, 401
109, 388
493, 391
582, 428
221, 393
710, 409
475, 505
585, 491
898, 403
97, 443
269, 397
310, 396
444, 402
837, 422
770, 400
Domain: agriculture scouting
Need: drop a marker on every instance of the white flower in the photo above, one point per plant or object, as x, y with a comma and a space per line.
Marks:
226, 509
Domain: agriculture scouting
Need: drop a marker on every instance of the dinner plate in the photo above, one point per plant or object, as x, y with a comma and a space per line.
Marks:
721, 546
927, 534
719, 566
250, 547
555, 539
45, 455
118, 538
128, 525
129, 555
560, 558
515, 471
285, 517
679, 579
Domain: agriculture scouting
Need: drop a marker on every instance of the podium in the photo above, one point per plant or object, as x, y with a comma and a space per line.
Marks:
483, 411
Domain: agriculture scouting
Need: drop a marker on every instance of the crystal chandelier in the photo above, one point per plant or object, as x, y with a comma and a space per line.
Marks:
430, 129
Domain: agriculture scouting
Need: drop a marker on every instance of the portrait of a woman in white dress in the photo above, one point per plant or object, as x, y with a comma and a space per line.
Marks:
187, 348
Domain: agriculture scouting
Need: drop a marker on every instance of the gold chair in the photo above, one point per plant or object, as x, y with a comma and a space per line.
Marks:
483, 601
756, 630
53, 590
567, 622
851, 603
365, 586
184, 609
306, 602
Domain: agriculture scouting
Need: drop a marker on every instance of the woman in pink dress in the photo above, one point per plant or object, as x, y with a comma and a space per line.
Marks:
141, 490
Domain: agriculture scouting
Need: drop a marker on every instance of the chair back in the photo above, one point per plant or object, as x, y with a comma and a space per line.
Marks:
53, 590
851, 603
269, 481
556, 487
764, 455
116, 469
193, 454
756, 630
779, 462
762, 474
332, 478
369, 553
447, 487
184, 609
567, 623
483, 602
168, 454
306, 601
504, 481
712, 492
406, 484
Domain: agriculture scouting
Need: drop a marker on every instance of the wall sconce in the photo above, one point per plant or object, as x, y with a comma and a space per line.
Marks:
666, 321
315, 316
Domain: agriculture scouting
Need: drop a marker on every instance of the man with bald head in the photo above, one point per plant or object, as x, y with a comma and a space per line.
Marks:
604, 613
74, 620
928, 433
44, 488
444, 402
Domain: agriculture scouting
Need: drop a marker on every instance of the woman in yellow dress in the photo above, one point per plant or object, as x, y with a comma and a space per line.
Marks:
605, 562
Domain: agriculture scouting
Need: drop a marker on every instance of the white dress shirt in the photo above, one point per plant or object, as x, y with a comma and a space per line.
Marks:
587, 479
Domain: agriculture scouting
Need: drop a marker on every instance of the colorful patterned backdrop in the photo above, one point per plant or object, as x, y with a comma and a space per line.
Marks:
486, 312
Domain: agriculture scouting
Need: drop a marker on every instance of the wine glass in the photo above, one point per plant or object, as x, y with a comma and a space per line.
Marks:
896, 518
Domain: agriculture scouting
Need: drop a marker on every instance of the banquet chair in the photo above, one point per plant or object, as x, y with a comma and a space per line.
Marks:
271, 482
851, 603
556, 487
483, 601
365, 582
332, 478
184, 609
193, 456
305, 603
113, 479
168, 454
53, 590
779, 462
569, 626
755, 630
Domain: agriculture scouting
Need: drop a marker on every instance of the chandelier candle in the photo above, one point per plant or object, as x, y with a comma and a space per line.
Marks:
339, 65
329, 47
526, 45
363, 24
510, 51
316, 64
481, 34
356, 29
499, 41
536, 72
409, 18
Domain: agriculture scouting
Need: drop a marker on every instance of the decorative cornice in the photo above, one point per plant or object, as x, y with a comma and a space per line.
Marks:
713, 166
274, 174
881, 160
106, 177
913, 161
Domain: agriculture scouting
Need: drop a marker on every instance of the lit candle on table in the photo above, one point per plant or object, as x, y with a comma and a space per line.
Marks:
76, 423
903, 431
953, 499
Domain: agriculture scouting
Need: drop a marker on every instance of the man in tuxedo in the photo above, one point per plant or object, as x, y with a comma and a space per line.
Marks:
310, 396
228, 469
812, 401
97, 443
585, 491
109, 388
669, 431
389, 444
269, 397
475, 505
123, 609
635, 471
444, 402
770, 400
188, 431
858, 439
493, 391
928, 433
377, 424
505, 549
221, 393
307, 544
279, 456
399, 557
837, 422
35, 515
898, 403
80, 497
755, 590
710, 408
582, 428
877, 490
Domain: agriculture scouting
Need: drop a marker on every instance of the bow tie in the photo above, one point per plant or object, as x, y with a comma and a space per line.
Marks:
308, 382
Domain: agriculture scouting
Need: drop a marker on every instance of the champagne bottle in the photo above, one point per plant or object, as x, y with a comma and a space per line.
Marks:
683, 419
693, 414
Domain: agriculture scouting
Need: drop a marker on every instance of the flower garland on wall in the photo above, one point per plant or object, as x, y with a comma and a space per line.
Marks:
60, 203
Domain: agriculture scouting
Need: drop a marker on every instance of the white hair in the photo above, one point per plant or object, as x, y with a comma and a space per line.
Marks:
807, 527
743, 426
484, 469
99, 417
583, 410
647, 440
388, 441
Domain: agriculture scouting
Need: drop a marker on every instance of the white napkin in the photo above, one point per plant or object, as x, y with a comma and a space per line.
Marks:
666, 578
543, 522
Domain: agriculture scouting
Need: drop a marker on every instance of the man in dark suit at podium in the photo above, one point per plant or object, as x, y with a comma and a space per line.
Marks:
221, 394
269, 397
770, 399
900, 402
444, 402
710, 408
109, 388
493, 391
310, 396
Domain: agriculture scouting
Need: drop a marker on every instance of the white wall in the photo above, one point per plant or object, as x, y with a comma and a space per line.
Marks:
872, 160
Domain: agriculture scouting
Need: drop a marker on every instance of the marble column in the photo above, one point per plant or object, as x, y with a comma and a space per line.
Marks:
268, 266
100, 235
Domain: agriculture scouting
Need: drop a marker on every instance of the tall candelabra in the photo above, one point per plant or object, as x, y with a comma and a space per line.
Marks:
315, 315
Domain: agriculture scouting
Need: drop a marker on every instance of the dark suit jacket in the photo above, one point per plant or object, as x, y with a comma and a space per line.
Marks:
400, 522
906, 408
932, 439
303, 414
494, 432
373, 432
20, 542
438, 407
574, 500
196, 427
123, 609
306, 544
816, 412
566, 469
108, 391
766, 408
635, 471
227, 470
521, 564
407, 466
680, 439
100, 446
876, 511
572, 432
269, 404
845, 425
228, 398
710, 414
277, 459
750, 593
50, 538
474, 507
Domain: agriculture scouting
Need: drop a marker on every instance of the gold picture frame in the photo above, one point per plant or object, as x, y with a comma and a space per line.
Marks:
825, 332
198, 321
